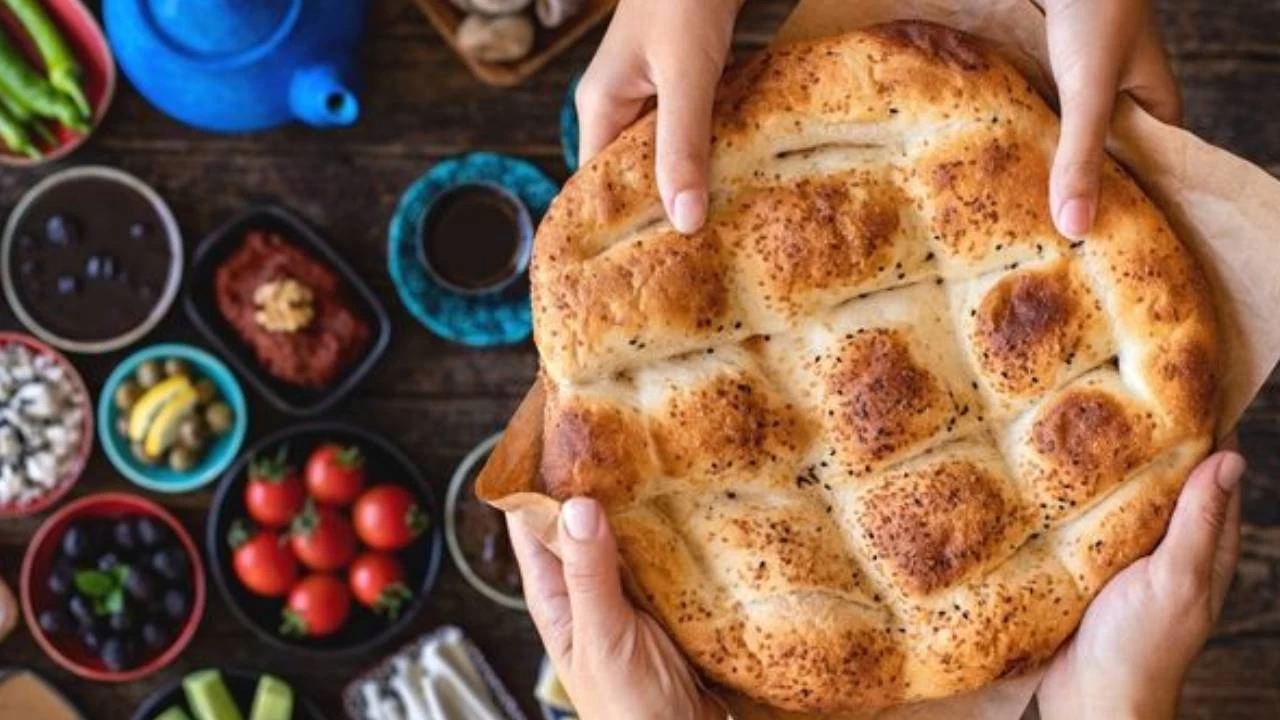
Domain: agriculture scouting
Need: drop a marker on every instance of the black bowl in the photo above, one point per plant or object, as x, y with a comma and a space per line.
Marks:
364, 631
201, 306
241, 683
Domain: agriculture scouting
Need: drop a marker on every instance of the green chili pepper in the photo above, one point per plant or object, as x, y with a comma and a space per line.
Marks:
59, 62
23, 114
15, 136
34, 91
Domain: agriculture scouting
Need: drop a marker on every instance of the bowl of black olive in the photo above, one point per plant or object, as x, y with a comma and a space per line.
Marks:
112, 587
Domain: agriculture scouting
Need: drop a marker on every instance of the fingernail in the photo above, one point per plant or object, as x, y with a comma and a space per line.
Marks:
1075, 217
1230, 468
688, 211
581, 518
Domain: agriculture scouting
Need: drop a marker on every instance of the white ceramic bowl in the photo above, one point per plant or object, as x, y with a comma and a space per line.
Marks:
456, 484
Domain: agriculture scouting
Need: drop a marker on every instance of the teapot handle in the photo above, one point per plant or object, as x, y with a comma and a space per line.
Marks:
319, 97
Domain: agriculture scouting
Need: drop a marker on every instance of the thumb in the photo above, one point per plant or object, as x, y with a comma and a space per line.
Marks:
1086, 55
1073, 185
1190, 556
589, 554
684, 146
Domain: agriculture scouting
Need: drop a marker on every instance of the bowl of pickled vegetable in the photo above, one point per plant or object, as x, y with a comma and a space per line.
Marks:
172, 417
58, 78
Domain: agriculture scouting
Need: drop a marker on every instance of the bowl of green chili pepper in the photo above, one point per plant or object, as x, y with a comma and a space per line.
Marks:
57, 77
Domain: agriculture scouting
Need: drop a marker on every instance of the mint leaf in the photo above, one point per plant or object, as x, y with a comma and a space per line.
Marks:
114, 602
120, 573
93, 583
99, 607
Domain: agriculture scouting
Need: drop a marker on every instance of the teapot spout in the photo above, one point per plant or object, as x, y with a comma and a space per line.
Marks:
319, 97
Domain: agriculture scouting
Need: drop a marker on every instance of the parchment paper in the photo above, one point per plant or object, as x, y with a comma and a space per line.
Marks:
1222, 207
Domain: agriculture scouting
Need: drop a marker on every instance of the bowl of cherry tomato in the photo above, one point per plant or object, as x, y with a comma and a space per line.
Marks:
324, 538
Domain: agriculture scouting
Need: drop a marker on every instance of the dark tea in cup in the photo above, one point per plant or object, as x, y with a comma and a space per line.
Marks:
476, 239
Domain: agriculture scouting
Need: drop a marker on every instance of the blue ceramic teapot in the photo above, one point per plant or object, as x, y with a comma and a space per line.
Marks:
241, 65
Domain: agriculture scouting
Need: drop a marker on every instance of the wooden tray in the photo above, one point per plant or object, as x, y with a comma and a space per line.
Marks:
445, 16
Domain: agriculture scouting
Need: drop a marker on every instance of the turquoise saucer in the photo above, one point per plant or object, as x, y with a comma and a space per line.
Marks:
478, 321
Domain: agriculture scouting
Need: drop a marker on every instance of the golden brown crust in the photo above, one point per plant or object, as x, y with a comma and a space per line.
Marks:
877, 433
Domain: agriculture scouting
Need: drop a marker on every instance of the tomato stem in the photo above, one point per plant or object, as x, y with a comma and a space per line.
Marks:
292, 624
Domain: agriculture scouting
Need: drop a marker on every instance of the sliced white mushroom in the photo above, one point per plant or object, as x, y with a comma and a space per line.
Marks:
505, 38
42, 469
59, 439
554, 13
37, 400
499, 7
12, 483
21, 367
10, 444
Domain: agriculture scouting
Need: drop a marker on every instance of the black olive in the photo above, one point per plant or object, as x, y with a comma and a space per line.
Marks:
93, 267
170, 562
176, 604
125, 536
138, 230
155, 635
61, 579
140, 584
68, 285
61, 230
108, 561
82, 610
92, 639
117, 654
77, 543
54, 622
152, 532
121, 622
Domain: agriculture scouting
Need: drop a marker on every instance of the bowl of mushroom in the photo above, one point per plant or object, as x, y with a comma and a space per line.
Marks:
505, 41
46, 425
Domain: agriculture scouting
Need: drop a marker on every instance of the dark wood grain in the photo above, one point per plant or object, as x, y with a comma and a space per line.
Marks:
437, 400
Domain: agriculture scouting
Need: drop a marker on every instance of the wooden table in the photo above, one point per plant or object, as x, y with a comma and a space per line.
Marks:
438, 399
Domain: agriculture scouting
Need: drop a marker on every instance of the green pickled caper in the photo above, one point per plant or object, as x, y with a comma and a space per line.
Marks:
207, 391
140, 454
193, 433
176, 366
127, 394
219, 418
181, 459
148, 374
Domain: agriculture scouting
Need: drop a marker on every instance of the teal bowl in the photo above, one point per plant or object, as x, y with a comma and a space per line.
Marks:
218, 456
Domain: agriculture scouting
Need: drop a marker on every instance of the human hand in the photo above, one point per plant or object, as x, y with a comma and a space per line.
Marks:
1139, 636
1098, 48
674, 50
614, 660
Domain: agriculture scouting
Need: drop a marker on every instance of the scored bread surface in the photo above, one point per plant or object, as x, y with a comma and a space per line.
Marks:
876, 433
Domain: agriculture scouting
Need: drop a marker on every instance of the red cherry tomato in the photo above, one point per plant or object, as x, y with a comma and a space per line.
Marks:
377, 581
317, 606
387, 517
263, 562
274, 493
335, 474
322, 538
